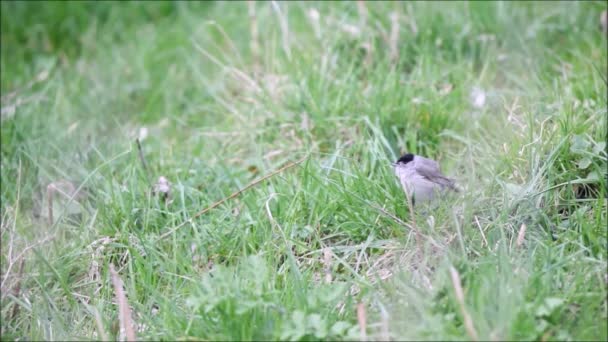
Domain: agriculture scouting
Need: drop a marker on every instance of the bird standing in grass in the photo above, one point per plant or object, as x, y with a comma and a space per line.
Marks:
421, 178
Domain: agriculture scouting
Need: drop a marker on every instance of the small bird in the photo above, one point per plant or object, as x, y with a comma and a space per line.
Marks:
421, 178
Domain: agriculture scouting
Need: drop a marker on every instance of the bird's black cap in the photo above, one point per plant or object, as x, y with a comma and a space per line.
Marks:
406, 158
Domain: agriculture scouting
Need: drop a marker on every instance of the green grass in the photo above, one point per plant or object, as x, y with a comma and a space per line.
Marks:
81, 80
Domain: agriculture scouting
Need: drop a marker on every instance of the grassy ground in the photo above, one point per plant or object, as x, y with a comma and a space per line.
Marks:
509, 97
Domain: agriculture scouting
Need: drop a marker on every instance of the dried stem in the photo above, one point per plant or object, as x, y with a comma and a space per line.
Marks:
327, 263
41, 77
362, 9
468, 322
284, 28
19, 256
49, 201
483, 236
124, 312
521, 235
17, 289
253, 28
394, 37
233, 195
142, 158
361, 319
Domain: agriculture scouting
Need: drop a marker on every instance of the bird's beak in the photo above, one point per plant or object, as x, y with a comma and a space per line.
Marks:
393, 164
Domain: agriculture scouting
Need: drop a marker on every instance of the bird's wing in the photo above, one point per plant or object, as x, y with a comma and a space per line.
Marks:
429, 169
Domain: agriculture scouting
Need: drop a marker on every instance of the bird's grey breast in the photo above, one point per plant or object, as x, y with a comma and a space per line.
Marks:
415, 183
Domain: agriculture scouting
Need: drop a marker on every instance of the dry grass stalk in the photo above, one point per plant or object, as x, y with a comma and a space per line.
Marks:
11, 101
411, 20
468, 322
18, 258
41, 77
142, 158
50, 189
274, 223
362, 9
233, 195
361, 320
124, 312
521, 235
327, 263
284, 28
483, 236
369, 53
394, 37
254, 44
17, 290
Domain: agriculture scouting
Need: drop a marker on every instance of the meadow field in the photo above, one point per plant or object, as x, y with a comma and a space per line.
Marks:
222, 170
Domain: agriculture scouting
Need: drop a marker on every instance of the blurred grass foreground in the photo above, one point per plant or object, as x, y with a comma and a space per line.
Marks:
122, 120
